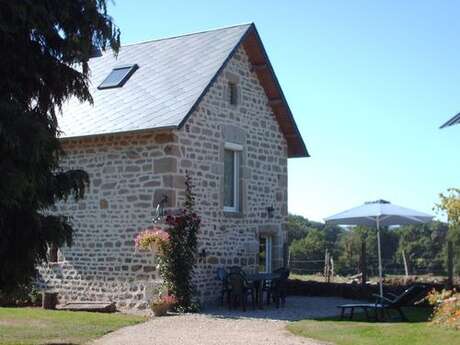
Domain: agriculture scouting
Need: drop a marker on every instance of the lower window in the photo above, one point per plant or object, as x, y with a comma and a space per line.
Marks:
265, 254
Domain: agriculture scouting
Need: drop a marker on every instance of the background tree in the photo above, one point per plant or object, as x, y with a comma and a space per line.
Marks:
450, 205
350, 249
298, 227
44, 49
311, 247
309, 241
423, 246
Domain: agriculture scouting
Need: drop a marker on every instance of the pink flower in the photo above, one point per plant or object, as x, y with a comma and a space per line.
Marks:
151, 239
169, 299
161, 234
170, 220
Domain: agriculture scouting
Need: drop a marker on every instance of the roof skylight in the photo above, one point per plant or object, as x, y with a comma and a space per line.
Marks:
118, 76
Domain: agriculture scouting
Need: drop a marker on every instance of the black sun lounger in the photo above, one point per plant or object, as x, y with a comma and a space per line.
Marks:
384, 304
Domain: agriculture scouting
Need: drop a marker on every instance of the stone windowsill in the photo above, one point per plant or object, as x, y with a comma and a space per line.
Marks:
54, 263
232, 214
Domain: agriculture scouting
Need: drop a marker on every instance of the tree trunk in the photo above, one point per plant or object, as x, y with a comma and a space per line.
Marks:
450, 265
327, 270
406, 266
49, 300
363, 263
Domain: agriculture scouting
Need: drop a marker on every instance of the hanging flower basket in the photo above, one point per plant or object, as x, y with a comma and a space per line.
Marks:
160, 309
163, 304
151, 240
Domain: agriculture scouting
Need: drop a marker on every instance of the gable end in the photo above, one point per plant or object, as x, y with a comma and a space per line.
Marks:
261, 65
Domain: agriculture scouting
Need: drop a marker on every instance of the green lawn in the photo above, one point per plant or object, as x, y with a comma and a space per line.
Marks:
416, 332
37, 326
318, 278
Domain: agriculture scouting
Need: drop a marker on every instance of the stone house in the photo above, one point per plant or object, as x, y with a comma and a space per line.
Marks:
206, 103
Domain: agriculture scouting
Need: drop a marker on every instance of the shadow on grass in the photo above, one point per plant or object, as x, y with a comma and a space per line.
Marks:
311, 308
413, 314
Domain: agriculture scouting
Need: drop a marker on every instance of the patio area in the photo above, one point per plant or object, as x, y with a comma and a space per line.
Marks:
297, 308
220, 326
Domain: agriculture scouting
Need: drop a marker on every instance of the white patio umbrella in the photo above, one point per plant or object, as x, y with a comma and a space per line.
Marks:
379, 213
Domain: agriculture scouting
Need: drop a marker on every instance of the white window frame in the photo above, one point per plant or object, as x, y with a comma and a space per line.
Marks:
232, 93
237, 149
268, 252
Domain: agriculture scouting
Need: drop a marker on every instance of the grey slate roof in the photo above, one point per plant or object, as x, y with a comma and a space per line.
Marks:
453, 121
172, 75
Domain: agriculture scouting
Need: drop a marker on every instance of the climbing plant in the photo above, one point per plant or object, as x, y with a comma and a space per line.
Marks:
179, 257
176, 249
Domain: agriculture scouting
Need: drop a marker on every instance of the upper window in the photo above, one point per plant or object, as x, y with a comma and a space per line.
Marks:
118, 76
233, 93
232, 159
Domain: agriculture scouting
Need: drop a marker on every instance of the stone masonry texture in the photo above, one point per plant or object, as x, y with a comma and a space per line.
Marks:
131, 173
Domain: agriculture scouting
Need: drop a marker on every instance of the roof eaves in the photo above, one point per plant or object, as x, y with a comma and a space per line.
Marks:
283, 98
453, 121
136, 131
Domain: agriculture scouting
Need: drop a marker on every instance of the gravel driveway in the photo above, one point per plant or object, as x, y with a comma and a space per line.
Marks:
218, 326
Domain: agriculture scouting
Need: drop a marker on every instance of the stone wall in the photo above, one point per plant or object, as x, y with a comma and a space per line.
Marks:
131, 172
232, 239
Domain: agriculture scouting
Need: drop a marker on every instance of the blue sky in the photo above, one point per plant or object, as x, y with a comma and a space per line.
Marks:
368, 82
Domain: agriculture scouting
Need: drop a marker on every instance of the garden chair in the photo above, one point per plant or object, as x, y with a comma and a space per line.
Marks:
385, 303
278, 287
238, 269
225, 289
240, 289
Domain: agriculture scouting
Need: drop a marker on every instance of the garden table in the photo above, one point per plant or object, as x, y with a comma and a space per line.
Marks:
258, 280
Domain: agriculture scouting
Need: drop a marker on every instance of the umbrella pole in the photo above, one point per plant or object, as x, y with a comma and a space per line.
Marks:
380, 258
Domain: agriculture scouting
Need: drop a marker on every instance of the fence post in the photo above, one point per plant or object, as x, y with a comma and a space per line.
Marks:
327, 270
406, 267
289, 258
332, 267
450, 265
362, 263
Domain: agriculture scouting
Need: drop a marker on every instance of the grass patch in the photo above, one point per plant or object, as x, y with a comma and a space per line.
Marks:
317, 278
360, 332
33, 326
